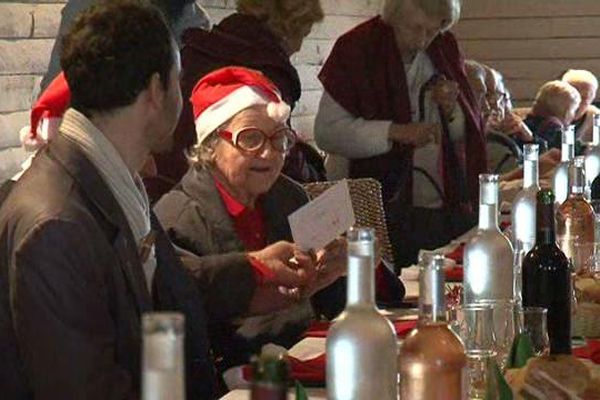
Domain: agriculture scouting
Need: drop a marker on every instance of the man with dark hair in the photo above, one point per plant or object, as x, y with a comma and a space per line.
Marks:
82, 255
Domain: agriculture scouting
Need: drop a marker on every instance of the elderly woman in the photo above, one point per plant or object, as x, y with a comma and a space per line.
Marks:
397, 105
231, 208
553, 110
261, 35
587, 85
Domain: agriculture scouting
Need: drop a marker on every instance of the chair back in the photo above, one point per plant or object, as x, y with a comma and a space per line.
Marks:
365, 195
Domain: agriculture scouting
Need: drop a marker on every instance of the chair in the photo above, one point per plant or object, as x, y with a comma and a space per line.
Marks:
504, 152
365, 195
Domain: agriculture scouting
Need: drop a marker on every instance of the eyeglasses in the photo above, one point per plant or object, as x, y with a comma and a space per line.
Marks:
253, 139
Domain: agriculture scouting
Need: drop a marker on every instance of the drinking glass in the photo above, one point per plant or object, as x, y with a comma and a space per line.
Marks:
533, 321
481, 377
162, 364
503, 316
474, 324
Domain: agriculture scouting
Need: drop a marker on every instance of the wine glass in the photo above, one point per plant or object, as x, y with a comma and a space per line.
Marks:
474, 324
503, 316
481, 375
533, 322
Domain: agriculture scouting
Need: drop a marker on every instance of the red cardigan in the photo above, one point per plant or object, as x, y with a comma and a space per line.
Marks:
365, 75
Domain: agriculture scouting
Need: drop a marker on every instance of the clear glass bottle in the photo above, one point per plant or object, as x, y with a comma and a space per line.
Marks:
523, 210
488, 258
560, 180
575, 217
432, 358
362, 350
162, 365
592, 157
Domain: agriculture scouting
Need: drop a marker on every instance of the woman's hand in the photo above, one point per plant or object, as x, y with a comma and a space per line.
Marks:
331, 263
445, 94
416, 134
278, 258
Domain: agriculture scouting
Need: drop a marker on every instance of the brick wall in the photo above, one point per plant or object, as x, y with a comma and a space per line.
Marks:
27, 34
530, 41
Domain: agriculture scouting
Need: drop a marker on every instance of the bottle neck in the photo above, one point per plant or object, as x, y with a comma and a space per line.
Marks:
567, 152
488, 203
545, 224
432, 301
488, 217
361, 285
530, 174
596, 135
577, 181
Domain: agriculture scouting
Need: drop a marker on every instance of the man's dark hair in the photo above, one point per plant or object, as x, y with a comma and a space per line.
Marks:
112, 51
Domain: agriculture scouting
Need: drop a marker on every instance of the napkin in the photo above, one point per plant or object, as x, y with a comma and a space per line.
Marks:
457, 254
311, 371
320, 329
590, 351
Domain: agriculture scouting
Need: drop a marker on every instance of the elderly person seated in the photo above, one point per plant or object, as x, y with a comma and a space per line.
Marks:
231, 207
587, 85
553, 110
501, 117
504, 130
261, 35
397, 107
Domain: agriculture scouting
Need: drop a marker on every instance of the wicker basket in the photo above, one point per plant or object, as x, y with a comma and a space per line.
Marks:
365, 194
586, 321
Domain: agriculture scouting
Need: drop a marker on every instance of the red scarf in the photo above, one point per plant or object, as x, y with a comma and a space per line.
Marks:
365, 75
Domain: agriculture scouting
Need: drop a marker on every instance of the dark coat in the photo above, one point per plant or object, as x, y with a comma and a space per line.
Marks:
72, 289
196, 220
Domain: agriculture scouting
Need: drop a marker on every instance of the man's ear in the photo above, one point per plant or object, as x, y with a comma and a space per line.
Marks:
156, 91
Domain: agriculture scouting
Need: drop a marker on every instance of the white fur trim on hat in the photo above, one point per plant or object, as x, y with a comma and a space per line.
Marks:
46, 130
223, 110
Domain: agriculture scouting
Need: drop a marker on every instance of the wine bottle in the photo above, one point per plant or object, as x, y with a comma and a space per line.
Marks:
575, 218
488, 257
361, 345
432, 358
162, 365
592, 157
547, 277
560, 180
523, 210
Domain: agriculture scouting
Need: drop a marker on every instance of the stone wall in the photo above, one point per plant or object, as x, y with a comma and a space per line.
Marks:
27, 34
529, 41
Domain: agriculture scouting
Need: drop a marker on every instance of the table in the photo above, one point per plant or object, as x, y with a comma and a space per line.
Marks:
244, 394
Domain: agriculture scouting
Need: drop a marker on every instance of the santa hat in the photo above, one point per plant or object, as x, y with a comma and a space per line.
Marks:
220, 95
46, 114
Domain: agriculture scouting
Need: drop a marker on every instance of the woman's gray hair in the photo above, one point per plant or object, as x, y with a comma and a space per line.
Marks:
448, 10
202, 155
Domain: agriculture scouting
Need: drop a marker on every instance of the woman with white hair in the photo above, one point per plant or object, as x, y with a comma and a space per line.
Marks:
397, 107
587, 85
553, 110
231, 210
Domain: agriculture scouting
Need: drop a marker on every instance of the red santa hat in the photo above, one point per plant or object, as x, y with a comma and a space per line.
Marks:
220, 95
46, 114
